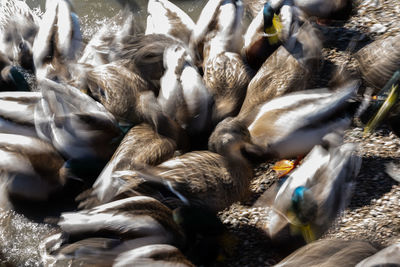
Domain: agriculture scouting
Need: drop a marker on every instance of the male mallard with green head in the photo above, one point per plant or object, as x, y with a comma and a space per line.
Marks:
316, 191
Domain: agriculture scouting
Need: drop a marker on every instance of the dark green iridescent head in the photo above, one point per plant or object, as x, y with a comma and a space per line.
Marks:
304, 205
268, 13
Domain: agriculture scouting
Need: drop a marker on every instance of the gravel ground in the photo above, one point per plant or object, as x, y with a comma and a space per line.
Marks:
374, 211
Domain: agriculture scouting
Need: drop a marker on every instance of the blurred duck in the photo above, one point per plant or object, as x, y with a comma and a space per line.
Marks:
78, 126
316, 191
140, 145
288, 69
225, 73
30, 168
18, 28
378, 61
210, 180
17, 112
218, 20
58, 41
153, 255
290, 125
327, 253
11, 77
99, 235
144, 55
166, 18
108, 41
183, 95
389, 256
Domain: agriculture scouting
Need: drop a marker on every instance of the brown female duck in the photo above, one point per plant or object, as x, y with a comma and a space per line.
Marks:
225, 73
287, 70
99, 235
30, 167
211, 180
140, 145
327, 253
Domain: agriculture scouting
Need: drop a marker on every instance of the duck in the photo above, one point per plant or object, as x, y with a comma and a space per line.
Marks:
102, 234
261, 38
289, 68
225, 73
12, 77
107, 42
18, 28
377, 61
292, 124
151, 255
316, 191
329, 252
79, 127
211, 179
55, 46
140, 145
183, 96
164, 17
389, 256
17, 112
31, 169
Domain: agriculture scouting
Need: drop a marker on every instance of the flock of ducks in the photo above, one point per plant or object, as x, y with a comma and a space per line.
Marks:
161, 128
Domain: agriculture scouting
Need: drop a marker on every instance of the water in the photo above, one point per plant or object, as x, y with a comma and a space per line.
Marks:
93, 14
19, 236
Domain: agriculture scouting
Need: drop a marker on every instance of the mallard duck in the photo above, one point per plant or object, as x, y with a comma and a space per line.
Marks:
389, 256
183, 95
145, 54
30, 167
328, 10
225, 73
202, 178
108, 41
58, 41
329, 252
140, 145
166, 18
17, 112
153, 255
18, 28
78, 126
261, 38
378, 61
316, 191
288, 69
290, 125
101, 234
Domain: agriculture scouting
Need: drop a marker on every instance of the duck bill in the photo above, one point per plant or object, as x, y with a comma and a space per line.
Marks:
305, 230
383, 110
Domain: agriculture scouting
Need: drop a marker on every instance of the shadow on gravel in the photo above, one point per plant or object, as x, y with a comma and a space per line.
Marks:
372, 182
